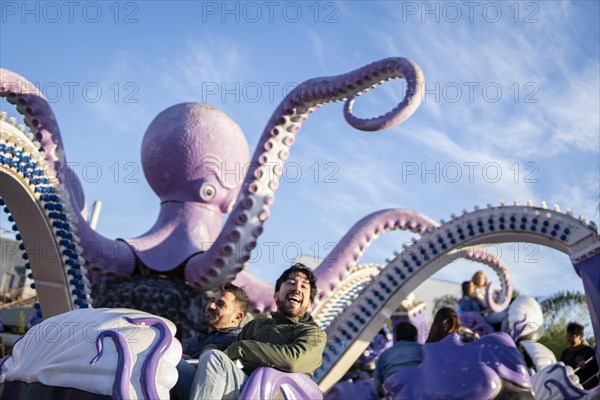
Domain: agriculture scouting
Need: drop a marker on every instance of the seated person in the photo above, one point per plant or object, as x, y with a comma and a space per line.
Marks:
480, 283
222, 315
444, 323
467, 302
404, 353
580, 356
289, 341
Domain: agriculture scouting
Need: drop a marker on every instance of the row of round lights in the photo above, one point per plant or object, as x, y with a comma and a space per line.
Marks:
33, 171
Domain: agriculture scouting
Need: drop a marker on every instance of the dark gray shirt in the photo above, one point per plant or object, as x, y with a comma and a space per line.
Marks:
218, 338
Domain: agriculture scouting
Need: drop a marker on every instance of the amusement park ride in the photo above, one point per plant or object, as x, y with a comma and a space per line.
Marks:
67, 351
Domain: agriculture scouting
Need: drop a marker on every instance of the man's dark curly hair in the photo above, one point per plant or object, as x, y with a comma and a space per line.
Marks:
241, 298
575, 329
299, 267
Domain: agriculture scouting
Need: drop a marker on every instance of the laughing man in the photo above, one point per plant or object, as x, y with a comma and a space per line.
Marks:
289, 341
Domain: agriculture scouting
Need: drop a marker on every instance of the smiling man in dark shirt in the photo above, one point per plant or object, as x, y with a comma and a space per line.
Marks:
580, 356
222, 316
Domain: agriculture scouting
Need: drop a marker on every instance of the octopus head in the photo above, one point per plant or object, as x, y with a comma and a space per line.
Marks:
193, 152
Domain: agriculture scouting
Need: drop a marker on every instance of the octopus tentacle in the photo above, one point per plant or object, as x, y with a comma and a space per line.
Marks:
150, 366
501, 270
341, 261
105, 255
124, 366
37, 112
239, 235
396, 116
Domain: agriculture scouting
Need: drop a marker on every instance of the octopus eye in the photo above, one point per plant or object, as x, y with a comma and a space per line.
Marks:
208, 192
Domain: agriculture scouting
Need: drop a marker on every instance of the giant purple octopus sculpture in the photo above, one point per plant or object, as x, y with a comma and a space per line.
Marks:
195, 191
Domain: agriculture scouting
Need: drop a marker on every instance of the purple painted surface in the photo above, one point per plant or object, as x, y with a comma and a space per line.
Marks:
519, 327
361, 389
475, 321
124, 366
452, 370
150, 365
265, 382
500, 353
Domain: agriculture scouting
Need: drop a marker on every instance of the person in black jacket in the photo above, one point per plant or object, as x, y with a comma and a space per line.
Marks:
580, 356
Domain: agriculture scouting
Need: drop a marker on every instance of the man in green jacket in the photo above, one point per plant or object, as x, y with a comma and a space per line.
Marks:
289, 341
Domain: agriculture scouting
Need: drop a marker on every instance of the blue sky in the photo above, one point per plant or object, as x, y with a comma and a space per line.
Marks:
510, 110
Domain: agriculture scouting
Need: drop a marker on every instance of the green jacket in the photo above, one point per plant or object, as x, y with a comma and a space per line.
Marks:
287, 344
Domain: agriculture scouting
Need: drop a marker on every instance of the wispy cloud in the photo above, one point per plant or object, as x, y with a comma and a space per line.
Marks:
200, 64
